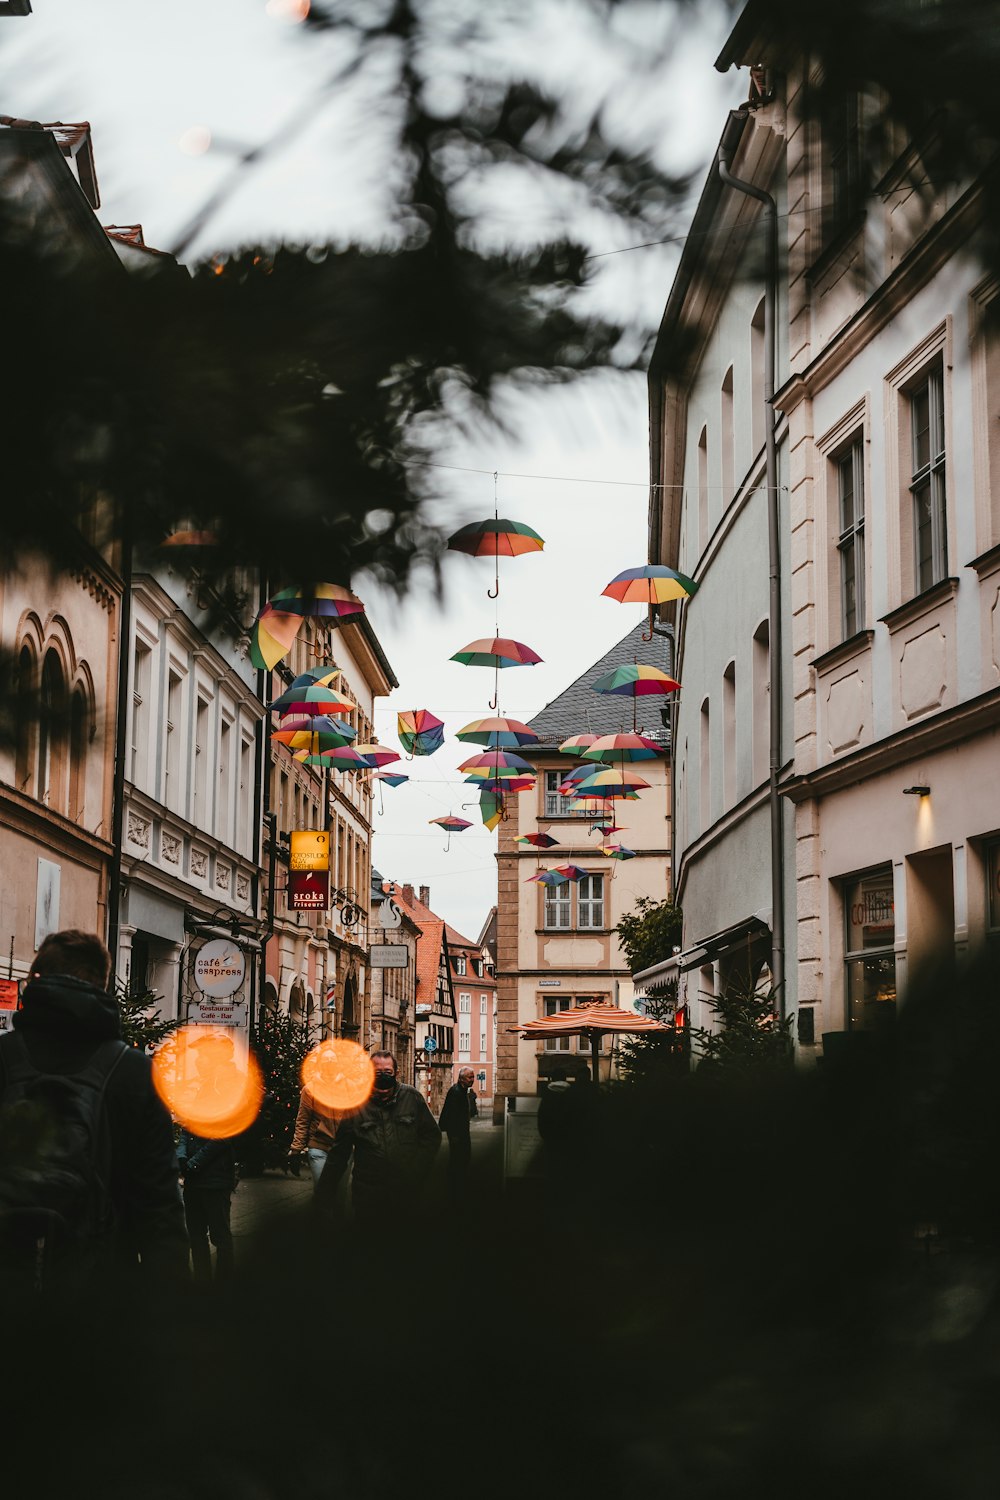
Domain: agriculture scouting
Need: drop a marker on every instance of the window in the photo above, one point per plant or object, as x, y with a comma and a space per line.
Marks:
246, 783
141, 672
757, 377
172, 753
851, 545
870, 959
463, 1041
77, 756
461, 966
590, 901
927, 486
557, 906
761, 660
843, 143
199, 811
726, 438
552, 1008
729, 735
482, 1042
702, 490
51, 731
484, 1001
222, 811
465, 1004
555, 805
705, 797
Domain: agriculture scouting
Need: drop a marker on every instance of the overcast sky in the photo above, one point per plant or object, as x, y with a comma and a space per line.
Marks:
155, 80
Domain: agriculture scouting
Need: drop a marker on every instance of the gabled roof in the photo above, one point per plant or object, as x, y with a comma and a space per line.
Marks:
432, 938
579, 709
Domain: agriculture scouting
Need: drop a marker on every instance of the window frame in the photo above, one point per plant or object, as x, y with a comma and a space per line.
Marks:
878, 877
590, 903
851, 535
929, 476
557, 898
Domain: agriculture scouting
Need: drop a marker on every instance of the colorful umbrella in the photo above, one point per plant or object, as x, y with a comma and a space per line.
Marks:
571, 872
313, 732
377, 755
547, 877
496, 763
453, 824
618, 748
498, 734
280, 621
498, 652
338, 758
568, 782
305, 697
538, 840
605, 829
612, 782
577, 743
497, 538
617, 851
593, 1021
652, 584
391, 778
492, 808
502, 787
420, 733
635, 682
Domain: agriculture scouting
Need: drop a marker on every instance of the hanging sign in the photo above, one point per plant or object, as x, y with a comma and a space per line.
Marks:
8, 1002
309, 849
219, 968
218, 1012
308, 890
388, 956
389, 914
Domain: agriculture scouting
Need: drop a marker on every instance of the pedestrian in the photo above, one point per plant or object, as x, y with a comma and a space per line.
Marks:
88, 1172
313, 1136
392, 1141
208, 1170
457, 1112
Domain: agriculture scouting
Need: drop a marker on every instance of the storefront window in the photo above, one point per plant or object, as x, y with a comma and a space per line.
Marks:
870, 925
993, 900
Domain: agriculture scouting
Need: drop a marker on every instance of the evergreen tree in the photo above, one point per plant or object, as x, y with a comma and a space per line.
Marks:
142, 1025
280, 1046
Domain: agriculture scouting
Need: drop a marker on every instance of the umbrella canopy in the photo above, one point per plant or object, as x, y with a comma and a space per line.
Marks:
571, 872
635, 682
497, 763
498, 652
317, 601
568, 783
611, 782
420, 733
491, 808
547, 877
313, 732
194, 539
497, 734
577, 743
391, 778
538, 840
304, 697
618, 748
338, 758
605, 829
453, 824
593, 1021
377, 755
617, 851
502, 785
496, 537
651, 584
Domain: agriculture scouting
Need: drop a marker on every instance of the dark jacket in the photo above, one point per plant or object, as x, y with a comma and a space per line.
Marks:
458, 1109
393, 1146
62, 1020
207, 1164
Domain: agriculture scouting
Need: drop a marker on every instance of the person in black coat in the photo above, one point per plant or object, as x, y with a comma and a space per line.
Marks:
458, 1110
209, 1172
66, 1019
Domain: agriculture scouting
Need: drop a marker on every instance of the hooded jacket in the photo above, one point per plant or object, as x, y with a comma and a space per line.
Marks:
393, 1145
61, 1021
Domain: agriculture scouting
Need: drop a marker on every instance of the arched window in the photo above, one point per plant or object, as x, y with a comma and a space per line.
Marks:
703, 490
729, 735
78, 737
761, 701
52, 724
27, 711
705, 810
727, 438
757, 376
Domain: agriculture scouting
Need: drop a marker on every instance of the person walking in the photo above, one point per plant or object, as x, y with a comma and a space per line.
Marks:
208, 1170
457, 1113
313, 1137
392, 1141
88, 1172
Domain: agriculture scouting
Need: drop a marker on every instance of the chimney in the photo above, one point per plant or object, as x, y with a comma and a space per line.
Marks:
408, 894
425, 894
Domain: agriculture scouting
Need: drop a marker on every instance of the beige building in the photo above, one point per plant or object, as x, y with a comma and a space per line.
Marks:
556, 945
392, 990
865, 813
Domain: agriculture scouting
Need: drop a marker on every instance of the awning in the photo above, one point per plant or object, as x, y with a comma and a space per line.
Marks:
656, 977
721, 942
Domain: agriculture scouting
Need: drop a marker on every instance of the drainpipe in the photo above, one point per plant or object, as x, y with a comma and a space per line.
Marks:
121, 742
730, 139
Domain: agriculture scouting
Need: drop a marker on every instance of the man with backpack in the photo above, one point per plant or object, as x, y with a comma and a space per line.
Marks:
88, 1172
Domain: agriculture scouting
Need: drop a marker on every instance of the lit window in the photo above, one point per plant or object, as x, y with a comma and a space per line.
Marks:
870, 958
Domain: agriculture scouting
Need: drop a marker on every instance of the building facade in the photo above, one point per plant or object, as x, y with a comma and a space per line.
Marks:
474, 983
393, 989
556, 945
434, 1008
865, 811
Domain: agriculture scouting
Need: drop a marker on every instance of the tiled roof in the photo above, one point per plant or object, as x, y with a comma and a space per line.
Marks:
429, 945
580, 710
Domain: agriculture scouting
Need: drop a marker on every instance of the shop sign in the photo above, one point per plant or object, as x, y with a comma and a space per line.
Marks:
219, 968
550, 984
218, 1012
309, 850
388, 956
308, 890
8, 1002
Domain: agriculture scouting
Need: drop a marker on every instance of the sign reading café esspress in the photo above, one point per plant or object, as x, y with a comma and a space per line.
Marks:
219, 968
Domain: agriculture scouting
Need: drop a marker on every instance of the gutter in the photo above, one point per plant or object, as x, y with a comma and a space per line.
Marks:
727, 149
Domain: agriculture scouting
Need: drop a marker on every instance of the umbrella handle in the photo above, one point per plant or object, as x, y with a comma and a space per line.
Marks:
493, 593
494, 701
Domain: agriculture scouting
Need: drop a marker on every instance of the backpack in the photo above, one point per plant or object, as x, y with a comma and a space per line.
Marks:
55, 1160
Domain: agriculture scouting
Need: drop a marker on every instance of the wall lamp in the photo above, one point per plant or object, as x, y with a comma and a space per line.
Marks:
916, 791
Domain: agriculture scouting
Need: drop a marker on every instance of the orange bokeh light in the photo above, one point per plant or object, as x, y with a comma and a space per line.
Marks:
339, 1076
212, 1088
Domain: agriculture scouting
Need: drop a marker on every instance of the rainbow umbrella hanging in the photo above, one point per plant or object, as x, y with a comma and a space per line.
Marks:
651, 585
280, 621
547, 877
339, 758
391, 778
309, 697
313, 732
571, 872
420, 733
498, 764
498, 734
491, 808
538, 840
577, 743
500, 786
452, 825
501, 651
495, 538
617, 851
377, 756
618, 748
636, 681
612, 782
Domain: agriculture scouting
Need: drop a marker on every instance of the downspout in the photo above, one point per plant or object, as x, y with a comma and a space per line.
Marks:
261, 814
121, 725
727, 148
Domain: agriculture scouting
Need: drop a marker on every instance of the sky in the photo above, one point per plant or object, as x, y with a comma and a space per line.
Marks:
158, 81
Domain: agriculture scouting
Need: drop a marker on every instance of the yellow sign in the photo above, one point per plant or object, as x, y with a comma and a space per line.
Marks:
310, 850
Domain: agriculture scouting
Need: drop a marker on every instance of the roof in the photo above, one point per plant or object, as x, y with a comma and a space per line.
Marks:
579, 709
